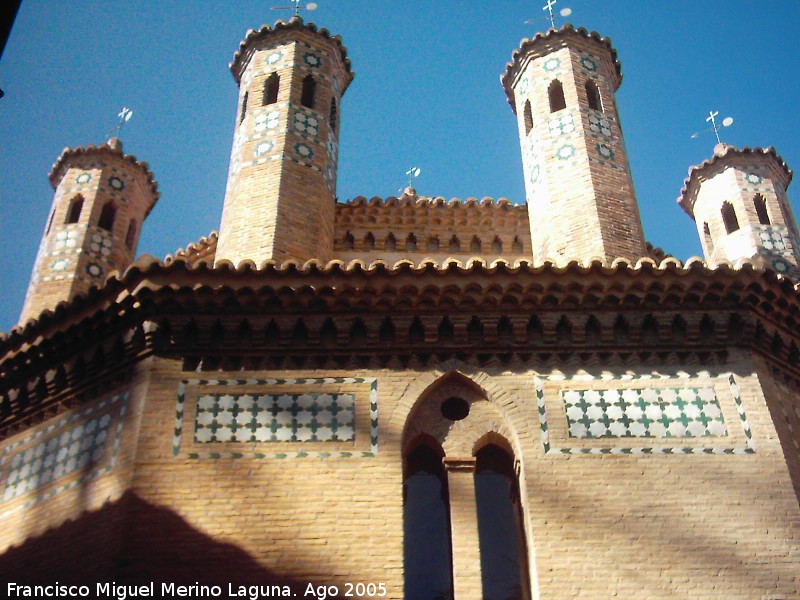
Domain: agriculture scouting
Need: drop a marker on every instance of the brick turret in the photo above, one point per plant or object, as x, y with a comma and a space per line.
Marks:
738, 201
279, 202
102, 197
580, 195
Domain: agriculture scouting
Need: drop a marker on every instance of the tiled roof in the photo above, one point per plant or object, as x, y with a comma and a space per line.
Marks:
722, 154
621, 279
242, 55
544, 42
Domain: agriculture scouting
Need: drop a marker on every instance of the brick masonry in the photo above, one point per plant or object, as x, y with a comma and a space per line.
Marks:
643, 525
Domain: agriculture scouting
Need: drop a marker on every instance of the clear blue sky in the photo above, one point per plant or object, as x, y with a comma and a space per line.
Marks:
426, 93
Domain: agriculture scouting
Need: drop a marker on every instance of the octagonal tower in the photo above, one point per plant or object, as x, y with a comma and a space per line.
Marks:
102, 197
279, 202
580, 195
738, 201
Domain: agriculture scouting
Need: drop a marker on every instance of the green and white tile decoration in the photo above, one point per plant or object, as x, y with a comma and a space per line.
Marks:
275, 418
551, 64
600, 125
639, 413
646, 412
85, 441
561, 125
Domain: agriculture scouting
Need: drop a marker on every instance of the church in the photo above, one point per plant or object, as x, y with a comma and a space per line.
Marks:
410, 397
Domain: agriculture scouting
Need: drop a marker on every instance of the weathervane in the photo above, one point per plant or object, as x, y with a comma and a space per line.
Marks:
297, 8
712, 115
124, 116
564, 12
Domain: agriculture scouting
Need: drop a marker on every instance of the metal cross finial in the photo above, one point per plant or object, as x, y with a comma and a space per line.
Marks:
712, 118
412, 173
297, 8
549, 8
564, 12
124, 116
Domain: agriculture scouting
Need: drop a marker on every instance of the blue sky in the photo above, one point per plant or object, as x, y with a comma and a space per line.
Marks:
426, 93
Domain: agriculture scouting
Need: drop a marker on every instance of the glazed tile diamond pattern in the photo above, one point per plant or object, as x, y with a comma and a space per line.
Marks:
275, 418
268, 418
85, 442
649, 412
605, 421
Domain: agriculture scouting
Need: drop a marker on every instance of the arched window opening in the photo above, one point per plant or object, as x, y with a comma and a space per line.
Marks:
528, 117
334, 114
369, 241
497, 245
502, 542
307, 97
556, 94
131, 235
729, 217
707, 237
433, 243
411, 243
244, 107
349, 241
593, 96
271, 87
74, 212
475, 244
426, 525
516, 245
761, 209
390, 243
454, 245
107, 217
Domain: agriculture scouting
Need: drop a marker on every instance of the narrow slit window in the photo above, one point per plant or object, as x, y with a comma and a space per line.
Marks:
708, 239
75, 208
130, 237
426, 525
593, 96
334, 114
107, 217
307, 97
729, 217
528, 116
244, 107
761, 209
502, 542
50, 222
556, 95
271, 87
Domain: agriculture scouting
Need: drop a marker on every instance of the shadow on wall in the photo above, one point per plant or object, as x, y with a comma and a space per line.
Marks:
115, 544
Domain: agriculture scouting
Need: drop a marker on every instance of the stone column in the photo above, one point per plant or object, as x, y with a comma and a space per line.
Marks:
464, 528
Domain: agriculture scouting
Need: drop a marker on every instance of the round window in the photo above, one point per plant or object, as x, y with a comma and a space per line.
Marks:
454, 409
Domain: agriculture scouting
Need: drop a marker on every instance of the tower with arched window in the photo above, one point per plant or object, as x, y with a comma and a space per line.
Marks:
102, 197
580, 195
279, 202
738, 201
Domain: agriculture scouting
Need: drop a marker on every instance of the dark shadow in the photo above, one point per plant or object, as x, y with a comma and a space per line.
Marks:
132, 541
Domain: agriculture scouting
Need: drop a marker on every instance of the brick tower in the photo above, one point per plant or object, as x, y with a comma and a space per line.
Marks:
738, 201
580, 196
279, 203
102, 197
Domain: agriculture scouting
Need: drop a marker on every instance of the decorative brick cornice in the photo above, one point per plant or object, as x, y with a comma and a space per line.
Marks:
544, 43
253, 37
